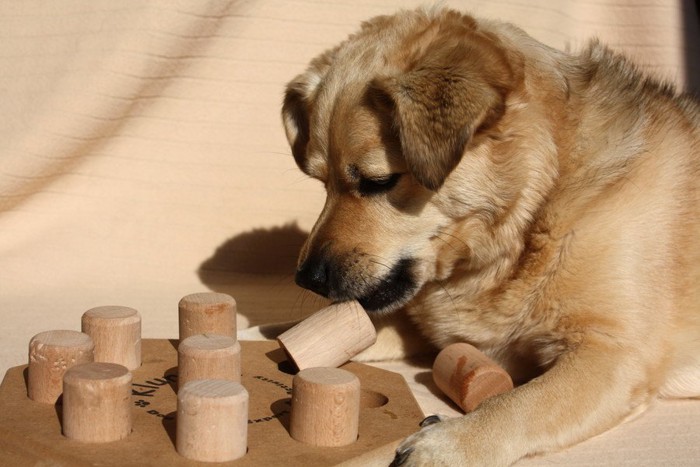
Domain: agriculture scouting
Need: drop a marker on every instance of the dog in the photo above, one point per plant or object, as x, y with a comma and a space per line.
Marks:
540, 205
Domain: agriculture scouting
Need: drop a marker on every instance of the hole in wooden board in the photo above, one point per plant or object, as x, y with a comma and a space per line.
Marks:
372, 399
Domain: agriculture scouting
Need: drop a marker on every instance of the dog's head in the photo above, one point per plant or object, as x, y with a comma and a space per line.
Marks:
384, 120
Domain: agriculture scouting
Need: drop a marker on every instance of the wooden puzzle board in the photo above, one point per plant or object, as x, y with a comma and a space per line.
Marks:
30, 432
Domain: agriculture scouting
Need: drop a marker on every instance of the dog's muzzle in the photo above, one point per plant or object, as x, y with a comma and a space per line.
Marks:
383, 293
314, 274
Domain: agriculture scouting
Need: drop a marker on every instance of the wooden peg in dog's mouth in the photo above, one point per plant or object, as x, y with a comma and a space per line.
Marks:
329, 337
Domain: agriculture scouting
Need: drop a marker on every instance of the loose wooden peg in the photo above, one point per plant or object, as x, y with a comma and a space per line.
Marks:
51, 353
207, 313
212, 420
469, 377
208, 356
329, 337
116, 332
97, 402
325, 407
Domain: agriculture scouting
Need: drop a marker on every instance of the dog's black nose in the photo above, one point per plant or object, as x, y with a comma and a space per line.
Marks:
313, 274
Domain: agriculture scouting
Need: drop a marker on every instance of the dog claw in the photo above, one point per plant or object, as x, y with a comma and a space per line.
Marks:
401, 457
430, 420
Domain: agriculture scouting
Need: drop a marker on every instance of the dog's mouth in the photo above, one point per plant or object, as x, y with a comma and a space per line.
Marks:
385, 295
393, 291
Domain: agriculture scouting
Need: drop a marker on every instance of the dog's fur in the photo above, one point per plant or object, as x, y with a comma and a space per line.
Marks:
540, 205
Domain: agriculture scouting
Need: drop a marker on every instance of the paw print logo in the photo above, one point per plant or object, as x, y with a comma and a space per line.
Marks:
141, 403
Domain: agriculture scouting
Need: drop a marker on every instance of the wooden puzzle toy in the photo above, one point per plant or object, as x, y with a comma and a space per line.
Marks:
235, 403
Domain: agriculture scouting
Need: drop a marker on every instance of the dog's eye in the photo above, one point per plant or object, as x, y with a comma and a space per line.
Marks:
373, 186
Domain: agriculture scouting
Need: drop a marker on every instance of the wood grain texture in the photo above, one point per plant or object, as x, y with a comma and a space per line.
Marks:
97, 402
325, 407
207, 312
469, 377
212, 420
209, 356
116, 333
51, 354
329, 337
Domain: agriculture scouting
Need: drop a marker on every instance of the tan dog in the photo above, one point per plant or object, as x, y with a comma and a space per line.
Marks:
540, 205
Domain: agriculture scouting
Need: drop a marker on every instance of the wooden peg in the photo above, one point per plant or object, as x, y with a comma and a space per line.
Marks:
116, 332
329, 337
468, 377
212, 420
207, 313
97, 402
51, 353
208, 356
325, 407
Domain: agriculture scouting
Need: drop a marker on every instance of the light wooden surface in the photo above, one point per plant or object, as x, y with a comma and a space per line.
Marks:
329, 337
325, 407
469, 377
116, 332
207, 312
51, 353
212, 420
209, 356
97, 402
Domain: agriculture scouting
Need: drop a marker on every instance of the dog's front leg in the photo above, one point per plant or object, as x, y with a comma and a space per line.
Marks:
587, 391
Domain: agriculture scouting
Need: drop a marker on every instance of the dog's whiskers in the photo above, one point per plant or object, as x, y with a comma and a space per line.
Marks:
452, 236
379, 263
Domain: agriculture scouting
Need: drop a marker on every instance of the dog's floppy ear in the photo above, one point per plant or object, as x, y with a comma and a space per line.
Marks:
438, 103
295, 116
298, 103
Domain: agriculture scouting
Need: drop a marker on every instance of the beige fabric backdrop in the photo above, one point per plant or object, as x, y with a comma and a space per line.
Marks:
142, 158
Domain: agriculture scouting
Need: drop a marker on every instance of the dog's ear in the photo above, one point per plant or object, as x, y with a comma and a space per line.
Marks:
439, 102
298, 102
295, 117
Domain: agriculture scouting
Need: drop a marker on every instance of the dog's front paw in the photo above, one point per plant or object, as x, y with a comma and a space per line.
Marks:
432, 445
447, 442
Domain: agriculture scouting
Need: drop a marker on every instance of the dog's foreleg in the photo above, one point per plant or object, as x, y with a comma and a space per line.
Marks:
586, 392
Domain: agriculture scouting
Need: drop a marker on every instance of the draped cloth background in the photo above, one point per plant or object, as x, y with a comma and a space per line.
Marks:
142, 158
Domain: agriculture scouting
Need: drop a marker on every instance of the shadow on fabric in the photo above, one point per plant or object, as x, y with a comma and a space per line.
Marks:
257, 269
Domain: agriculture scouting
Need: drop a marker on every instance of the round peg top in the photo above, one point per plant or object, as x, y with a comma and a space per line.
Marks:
208, 342
61, 339
123, 314
327, 377
98, 372
213, 389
